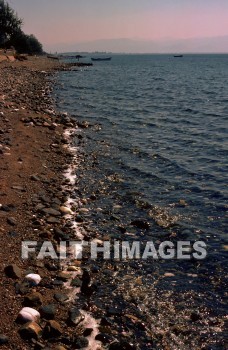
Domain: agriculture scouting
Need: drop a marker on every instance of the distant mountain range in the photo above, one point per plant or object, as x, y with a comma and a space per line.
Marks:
194, 45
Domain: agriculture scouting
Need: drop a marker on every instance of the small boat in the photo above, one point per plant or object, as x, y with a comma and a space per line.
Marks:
53, 57
178, 56
101, 58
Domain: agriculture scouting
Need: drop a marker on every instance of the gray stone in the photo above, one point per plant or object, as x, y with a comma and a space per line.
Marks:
52, 220
81, 343
48, 311
51, 211
61, 297
76, 282
75, 316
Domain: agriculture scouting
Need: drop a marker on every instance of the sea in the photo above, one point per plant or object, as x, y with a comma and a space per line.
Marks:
156, 151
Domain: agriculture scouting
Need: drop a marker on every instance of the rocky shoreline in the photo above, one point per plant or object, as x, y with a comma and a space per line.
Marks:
76, 304
34, 155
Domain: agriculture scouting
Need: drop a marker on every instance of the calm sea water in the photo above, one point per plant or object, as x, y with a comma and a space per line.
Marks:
160, 131
166, 121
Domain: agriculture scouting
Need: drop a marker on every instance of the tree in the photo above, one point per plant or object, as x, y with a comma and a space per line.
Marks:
10, 23
25, 43
11, 33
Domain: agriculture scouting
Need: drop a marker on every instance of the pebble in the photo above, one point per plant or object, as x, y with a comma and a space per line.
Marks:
52, 220
122, 346
81, 343
18, 188
51, 211
169, 274
65, 210
64, 276
11, 221
33, 278
30, 330
142, 224
75, 316
52, 329
34, 178
48, 311
28, 314
73, 268
61, 297
3, 339
13, 271
76, 282
195, 316
33, 299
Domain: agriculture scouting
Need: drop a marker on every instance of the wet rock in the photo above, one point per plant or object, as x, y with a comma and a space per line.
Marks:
114, 311
123, 345
87, 287
58, 233
13, 271
30, 330
58, 283
48, 311
81, 343
141, 224
52, 329
27, 314
87, 332
60, 297
195, 316
75, 316
105, 321
11, 221
79, 218
104, 338
3, 339
33, 299
76, 282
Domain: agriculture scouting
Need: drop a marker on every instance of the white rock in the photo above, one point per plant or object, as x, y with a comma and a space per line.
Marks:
169, 274
27, 314
33, 278
65, 210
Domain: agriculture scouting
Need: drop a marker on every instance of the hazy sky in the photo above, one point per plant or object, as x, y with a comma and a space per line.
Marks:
55, 22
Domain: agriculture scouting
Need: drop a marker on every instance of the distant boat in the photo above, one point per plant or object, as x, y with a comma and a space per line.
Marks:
53, 57
101, 58
178, 56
